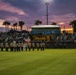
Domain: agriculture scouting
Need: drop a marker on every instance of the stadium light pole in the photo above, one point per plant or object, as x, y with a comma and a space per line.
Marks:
47, 3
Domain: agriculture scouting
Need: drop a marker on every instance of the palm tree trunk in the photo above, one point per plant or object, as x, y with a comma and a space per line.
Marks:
6, 29
21, 28
16, 27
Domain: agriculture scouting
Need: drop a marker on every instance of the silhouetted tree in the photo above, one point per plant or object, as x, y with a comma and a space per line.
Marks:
15, 26
6, 23
54, 23
73, 23
38, 22
21, 23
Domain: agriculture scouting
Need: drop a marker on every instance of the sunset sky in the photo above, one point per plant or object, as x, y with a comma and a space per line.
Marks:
60, 11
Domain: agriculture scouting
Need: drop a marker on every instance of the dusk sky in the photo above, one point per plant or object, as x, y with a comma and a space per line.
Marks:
60, 11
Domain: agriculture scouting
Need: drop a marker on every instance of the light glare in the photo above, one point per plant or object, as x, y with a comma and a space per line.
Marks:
47, 1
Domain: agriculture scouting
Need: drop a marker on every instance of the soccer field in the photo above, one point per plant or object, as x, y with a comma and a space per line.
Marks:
48, 62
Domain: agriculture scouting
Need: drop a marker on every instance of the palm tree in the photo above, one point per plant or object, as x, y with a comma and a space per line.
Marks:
21, 23
15, 26
38, 22
54, 23
73, 23
6, 23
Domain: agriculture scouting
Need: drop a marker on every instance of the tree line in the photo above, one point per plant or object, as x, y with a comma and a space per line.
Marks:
15, 25
37, 22
73, 23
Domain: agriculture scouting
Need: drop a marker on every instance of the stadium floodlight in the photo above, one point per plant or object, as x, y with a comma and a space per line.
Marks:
47, 13
47, 3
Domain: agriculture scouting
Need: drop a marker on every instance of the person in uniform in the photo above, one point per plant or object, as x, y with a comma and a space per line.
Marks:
42, 45
33, 45
6, 46
29, 46
14, 45
25, 46
17, 46
38, 46
21, 46
11, 46
2, 46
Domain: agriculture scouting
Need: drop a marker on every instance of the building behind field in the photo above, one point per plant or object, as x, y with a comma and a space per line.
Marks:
44, 32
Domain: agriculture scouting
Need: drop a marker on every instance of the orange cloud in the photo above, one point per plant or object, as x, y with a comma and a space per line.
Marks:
61, 23
69, 30
1, 23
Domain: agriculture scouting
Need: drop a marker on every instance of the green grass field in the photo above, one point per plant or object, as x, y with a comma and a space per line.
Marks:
48, 62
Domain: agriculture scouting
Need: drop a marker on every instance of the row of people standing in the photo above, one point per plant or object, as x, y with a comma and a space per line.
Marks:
19, 46
36, 45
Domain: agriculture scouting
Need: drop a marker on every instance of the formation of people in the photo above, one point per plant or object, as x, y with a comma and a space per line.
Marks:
66, 37
19, 46
19, 42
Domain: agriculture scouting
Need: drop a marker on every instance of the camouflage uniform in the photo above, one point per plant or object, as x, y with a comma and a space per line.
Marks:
33, 46
29, 46
42, 44
6, 46
25, 46
11, 46
2, 46
38, 46
21, 46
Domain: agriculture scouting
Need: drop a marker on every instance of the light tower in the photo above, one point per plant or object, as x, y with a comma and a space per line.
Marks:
47, 3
